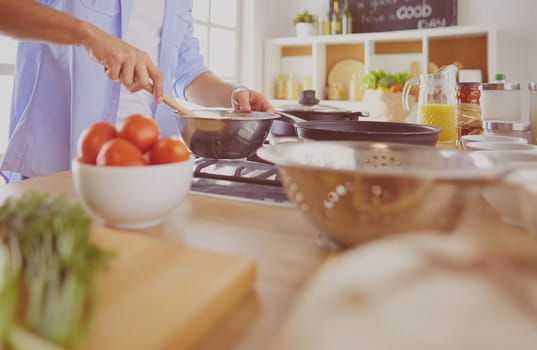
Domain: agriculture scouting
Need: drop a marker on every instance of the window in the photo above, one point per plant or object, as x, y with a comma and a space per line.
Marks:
8, 52
216, 27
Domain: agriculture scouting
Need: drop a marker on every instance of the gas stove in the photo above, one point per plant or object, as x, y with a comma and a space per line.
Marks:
251, 180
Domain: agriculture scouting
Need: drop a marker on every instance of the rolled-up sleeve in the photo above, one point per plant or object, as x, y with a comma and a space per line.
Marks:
190, 61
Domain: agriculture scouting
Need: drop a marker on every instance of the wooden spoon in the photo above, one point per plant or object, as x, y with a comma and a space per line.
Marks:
171, 102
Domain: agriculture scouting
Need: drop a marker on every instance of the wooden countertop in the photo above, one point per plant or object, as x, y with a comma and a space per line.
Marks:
280, 240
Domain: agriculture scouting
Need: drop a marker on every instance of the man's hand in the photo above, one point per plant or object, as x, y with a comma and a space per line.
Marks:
246, 100
123, 62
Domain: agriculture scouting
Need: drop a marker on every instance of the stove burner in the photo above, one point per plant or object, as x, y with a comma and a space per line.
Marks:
253, 180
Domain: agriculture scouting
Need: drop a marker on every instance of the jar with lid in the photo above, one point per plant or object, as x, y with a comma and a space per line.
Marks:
468, 112
501, 101
533, 111
508, 128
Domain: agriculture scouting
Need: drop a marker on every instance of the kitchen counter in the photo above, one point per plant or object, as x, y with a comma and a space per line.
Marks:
279, 239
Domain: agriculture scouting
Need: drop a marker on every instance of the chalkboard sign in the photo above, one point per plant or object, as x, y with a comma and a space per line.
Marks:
387, 15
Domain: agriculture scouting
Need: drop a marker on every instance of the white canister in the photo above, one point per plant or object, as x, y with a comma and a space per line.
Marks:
501, 101
507, 128
533, 111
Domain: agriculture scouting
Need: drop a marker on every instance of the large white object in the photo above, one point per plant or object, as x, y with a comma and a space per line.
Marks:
501, 101
132, 197
143, 31
465, 139
325, 49
470, 76
420, 292
499, 146
504, 197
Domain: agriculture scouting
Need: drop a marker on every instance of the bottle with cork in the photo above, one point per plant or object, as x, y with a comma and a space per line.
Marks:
336, 21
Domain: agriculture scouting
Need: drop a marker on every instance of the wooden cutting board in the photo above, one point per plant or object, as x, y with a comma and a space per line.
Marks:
162, 295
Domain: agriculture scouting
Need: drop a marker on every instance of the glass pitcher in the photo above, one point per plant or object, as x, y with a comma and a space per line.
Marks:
436, 101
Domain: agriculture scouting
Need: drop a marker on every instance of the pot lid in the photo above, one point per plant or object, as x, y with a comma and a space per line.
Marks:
309, 102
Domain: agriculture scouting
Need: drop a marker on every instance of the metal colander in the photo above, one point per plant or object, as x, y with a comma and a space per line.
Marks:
356, 191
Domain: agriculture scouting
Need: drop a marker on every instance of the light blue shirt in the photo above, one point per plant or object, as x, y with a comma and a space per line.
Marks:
59, 91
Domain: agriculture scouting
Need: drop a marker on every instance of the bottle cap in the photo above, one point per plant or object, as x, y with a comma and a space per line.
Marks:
499, 76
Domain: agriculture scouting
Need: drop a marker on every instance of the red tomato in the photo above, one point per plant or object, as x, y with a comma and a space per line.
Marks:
120, 152
142, 131
92, 139
168, 150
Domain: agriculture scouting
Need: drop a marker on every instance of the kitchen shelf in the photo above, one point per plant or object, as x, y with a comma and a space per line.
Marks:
475, 47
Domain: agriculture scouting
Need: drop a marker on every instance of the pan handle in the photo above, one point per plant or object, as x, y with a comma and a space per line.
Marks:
290, 118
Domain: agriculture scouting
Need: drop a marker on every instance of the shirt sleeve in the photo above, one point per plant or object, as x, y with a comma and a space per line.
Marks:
190, 62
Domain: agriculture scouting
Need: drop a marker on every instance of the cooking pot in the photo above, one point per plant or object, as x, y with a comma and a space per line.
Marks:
224, 133
308, 108
358, 130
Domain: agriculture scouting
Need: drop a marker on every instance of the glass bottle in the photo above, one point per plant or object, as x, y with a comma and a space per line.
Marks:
293, 88
354, 89
468, 112
336, 22
280, 87
347, 19
324, 22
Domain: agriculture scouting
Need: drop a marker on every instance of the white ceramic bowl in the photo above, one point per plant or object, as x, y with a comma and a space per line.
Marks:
489, 137
504, 197
527, 194
132, 197
499, 146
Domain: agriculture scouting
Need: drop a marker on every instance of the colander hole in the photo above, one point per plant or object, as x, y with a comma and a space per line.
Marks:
376, 190
328, 204
341, 190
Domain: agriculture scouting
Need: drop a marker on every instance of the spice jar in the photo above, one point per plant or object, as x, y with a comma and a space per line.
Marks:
468, 112
533, 111
501, 101
507, 128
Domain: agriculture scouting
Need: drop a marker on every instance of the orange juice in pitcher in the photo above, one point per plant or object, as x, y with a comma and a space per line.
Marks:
436, 101
442, 116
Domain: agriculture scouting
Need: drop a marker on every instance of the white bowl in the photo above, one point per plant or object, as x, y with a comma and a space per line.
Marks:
499, 146
489, 137
527, 194
504, 197
132, 197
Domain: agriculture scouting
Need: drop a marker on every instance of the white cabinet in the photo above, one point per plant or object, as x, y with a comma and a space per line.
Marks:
473, 47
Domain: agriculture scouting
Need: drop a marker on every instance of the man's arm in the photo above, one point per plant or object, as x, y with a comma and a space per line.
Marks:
209, 90
28, 20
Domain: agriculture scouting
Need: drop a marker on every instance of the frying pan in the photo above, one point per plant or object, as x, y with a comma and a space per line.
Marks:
308, 108
356, 130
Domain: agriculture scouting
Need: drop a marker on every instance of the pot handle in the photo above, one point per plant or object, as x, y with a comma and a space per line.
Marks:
358, 115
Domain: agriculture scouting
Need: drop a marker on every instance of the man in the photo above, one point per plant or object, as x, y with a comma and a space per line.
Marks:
60, 90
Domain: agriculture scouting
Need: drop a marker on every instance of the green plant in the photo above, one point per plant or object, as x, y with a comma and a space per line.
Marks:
304, 17
379, 79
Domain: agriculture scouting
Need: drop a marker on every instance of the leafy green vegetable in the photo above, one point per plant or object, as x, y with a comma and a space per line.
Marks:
50, 261
379, 78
